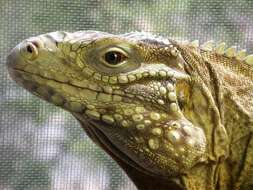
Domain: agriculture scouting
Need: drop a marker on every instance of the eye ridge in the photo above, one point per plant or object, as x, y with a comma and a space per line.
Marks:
114, 57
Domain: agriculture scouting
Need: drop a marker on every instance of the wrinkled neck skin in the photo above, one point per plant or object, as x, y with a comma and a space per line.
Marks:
222, 96
202, 106
237, 119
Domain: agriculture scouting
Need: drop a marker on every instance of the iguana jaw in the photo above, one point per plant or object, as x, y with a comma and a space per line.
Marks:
142, 178
141, 117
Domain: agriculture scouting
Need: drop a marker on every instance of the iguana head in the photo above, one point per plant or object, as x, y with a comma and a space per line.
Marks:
133, 91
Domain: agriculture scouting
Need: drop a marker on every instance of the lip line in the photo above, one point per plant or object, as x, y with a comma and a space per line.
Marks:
123, 96
67, 83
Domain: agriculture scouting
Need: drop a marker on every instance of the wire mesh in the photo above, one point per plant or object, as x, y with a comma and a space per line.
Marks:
43, 147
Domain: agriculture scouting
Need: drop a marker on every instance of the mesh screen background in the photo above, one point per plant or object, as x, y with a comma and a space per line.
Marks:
43, 147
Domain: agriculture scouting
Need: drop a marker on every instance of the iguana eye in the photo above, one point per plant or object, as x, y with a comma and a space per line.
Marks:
114, 58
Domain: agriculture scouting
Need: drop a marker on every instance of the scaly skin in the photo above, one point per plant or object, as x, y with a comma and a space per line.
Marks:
171, 114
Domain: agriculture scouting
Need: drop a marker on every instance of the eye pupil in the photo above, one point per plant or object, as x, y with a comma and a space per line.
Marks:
114, 57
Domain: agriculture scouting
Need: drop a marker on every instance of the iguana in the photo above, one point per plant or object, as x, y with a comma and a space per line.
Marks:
172, 114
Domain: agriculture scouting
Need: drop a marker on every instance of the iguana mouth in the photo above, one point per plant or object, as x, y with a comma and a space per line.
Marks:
45, 88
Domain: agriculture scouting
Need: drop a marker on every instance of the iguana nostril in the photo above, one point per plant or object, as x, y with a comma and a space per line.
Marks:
29, 50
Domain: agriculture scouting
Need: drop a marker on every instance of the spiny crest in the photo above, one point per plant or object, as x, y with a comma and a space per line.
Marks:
222, 50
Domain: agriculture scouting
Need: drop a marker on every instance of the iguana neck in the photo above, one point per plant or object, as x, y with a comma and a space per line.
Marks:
236, 90
233, 122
